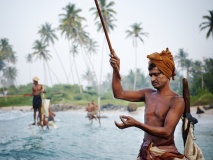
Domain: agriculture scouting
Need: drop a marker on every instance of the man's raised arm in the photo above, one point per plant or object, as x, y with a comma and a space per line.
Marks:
119, 93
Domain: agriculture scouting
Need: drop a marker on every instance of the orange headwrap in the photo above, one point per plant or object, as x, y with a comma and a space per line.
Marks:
164, 61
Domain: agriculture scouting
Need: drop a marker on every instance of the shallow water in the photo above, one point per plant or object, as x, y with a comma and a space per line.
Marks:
77, 139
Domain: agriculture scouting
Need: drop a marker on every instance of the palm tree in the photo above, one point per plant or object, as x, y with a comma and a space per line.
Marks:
188, 67
198, 70
48, 36
83, 40
208, 24
109, 19
74, 51
71, 25
107, 13
183, 62
129, 80
2, 65
70, 21
181, 58
5, 48
92, 49
6, 51
108, 16
208, 75
7, 58
136, 33
88, 76
29, 59
10, 73
41, 53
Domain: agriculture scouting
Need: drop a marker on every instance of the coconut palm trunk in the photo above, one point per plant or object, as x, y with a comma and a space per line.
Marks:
79, 81
70, 59
61, 64
136, 57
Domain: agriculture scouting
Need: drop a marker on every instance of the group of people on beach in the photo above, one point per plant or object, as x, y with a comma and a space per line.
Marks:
163, 107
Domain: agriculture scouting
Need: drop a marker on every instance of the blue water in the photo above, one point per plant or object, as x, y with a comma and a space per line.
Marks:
77, 139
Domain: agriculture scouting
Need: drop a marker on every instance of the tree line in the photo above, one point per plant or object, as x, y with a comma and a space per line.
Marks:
71, 26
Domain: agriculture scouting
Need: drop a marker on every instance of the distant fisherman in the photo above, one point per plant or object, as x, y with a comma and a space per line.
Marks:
89, 110
37, 89
51, 115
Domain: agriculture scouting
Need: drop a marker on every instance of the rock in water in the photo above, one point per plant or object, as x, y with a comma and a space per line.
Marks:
199, 111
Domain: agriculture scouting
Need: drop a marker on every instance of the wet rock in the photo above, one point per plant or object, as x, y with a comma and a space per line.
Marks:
109, 107
132, 107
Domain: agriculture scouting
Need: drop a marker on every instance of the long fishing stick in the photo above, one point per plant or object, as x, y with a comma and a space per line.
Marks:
10, 96
32, 130
106, 34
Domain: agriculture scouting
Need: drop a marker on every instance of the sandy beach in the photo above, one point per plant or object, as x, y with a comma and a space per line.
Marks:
20, 108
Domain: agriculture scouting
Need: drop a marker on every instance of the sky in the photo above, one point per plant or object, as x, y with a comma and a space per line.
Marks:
172, 24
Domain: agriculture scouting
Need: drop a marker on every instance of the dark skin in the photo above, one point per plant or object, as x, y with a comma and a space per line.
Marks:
37, 89
163, 107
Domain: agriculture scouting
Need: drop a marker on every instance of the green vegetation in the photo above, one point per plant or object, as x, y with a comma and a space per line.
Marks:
70, 94
58, 94
198, 73
204, 97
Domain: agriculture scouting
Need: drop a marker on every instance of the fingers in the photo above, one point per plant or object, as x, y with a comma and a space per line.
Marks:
119, 125
113, 55
114, 63
124, 119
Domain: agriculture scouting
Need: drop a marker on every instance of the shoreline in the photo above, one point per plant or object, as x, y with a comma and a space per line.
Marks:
82, 109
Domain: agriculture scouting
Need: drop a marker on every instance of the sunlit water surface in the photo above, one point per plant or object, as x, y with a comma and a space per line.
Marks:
77, 139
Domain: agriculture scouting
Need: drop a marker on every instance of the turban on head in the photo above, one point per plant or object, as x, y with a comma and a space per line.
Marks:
36, 79
164, 61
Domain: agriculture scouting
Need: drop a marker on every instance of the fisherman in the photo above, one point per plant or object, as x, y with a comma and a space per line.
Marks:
51, 115
89, 110
43, 122
37, 89
163, 107
94, 109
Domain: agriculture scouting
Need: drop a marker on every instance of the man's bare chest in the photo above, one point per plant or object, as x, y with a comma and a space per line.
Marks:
37, 88
157, 107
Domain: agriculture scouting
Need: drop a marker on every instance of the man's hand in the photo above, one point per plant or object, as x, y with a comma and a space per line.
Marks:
127, 121
115, 61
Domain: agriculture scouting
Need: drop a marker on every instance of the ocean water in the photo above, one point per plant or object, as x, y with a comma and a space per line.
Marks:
77, 139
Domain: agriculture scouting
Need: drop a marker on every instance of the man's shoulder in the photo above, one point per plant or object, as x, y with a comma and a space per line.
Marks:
177, 100
148, 90
176, 96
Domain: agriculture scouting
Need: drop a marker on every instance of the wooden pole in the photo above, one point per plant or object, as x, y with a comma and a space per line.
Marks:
106, 34
10, 96
186, 97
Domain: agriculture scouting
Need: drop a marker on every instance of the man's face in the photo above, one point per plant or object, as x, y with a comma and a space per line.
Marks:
158, 79
35, 82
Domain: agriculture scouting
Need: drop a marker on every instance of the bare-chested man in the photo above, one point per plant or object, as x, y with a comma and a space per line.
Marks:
163, 107
89, 110
95, 109
37, 89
